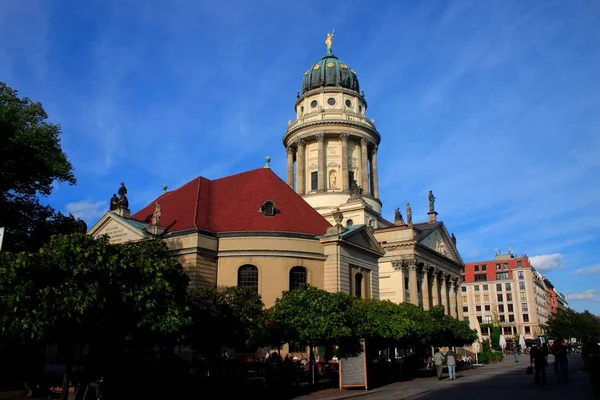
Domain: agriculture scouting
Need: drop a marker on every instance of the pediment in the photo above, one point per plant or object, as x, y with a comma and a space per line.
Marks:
362, 237
118, 229
440, 241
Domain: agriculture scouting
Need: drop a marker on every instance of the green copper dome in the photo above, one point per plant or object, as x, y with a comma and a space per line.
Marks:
330, 71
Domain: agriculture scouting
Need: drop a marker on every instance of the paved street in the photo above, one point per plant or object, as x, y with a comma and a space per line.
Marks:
501, 381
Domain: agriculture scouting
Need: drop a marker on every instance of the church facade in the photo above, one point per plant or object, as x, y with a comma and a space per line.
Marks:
322, 226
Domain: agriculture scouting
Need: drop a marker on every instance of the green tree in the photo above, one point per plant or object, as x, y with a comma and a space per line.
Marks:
77, 289
568, 323
32, 160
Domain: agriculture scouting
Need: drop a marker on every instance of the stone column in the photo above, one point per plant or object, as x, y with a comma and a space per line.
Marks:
398, 268
425, 288
290, 167
322, 167
374, 173
345, 178
414, 284
435, 288
445, 294
301, 168
364, 166
459, 305
453, 310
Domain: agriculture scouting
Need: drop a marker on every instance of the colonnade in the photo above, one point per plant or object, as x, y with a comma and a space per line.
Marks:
296, 152
428, 286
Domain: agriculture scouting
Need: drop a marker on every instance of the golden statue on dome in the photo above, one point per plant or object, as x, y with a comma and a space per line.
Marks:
329, 40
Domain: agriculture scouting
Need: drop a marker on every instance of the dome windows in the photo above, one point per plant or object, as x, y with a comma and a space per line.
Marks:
331, 101
348, 103
314, 104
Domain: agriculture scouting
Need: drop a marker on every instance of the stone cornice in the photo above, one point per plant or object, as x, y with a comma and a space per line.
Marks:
340, 122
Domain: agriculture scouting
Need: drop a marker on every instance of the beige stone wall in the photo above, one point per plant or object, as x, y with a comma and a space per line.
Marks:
274, 257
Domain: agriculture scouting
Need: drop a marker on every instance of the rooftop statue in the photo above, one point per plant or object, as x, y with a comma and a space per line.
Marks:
123, 201
157, 214
397, 215
431, 202
355, 189
329, 40
408, 214
114, 202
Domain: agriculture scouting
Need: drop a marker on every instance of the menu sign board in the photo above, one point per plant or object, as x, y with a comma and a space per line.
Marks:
353, 370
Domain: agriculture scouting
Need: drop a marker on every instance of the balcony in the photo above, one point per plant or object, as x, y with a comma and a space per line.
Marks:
330, 116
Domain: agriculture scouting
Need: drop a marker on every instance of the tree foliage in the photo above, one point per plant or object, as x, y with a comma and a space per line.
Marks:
89, 290
568, 323
32, 160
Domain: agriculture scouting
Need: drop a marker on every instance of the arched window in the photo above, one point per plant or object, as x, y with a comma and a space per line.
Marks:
358, 278
298, 277
248, 277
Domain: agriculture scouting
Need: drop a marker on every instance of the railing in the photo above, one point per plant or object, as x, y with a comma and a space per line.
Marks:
330, 115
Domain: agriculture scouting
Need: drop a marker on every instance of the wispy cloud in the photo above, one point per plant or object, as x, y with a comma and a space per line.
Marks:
588, 271
591, 294
87, 210
547, 262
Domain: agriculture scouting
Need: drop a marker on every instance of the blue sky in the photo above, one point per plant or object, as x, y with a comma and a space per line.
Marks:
493, 105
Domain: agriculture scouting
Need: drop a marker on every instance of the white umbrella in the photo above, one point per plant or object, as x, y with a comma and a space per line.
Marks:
502, 342
476, 346
522, 341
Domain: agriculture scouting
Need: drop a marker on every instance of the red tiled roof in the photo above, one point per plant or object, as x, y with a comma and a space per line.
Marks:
231, 204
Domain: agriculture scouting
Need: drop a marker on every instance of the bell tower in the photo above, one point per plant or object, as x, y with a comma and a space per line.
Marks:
332, 145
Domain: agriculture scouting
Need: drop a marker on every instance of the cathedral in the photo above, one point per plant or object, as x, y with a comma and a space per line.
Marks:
321, 226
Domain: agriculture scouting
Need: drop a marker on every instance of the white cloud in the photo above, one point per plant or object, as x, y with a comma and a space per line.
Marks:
587, 295
588, 271
547, 262
87, 210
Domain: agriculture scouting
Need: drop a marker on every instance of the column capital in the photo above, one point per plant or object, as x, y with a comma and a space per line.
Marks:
397, 265
290, 150
427, 269
300, 143
344, 137
363, 142
320, 137
374, 149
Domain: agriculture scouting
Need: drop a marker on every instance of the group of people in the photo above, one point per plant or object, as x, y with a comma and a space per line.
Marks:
590, 355
449, 358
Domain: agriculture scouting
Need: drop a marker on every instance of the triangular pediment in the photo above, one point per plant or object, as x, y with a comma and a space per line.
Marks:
118, 229
362, 237
441, 242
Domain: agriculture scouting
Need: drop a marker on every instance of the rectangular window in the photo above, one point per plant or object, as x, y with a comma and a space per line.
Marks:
523, 296
464, 288
477, 268
503, 319
485, 331
486, 297
465, 299
477, 288
314, 180
350, 178
484, 268
498, 267
525, 317
465, 309
508, 296
498, 287
488, 319
478, 308
500, 297
519, 264
487, 308
501, 275
507, 330
480, 277
505, 266
500, 307
508, 287
521, 285
511, 318
480, 320
521, 275
527, 330
524, 307
485, 287
477, 298
510, 308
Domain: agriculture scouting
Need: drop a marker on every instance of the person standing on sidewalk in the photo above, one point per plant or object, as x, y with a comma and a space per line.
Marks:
438, 361
451, 363
591, 363
537, 356
516, 348
561, 361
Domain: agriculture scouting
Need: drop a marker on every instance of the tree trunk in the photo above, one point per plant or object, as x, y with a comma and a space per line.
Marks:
65, 386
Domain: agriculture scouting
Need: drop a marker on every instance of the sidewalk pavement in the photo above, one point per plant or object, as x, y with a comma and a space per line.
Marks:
503, 380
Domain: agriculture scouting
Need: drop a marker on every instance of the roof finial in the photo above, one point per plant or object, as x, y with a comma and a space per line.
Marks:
267, 162
165, 187
329, 41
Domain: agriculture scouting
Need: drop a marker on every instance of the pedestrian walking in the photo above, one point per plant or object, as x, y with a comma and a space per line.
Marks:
538, 357
591, 363
451, 363
516, 348
561, 361
438, 361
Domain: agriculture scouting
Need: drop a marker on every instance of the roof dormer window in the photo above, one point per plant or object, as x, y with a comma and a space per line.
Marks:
269, 209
